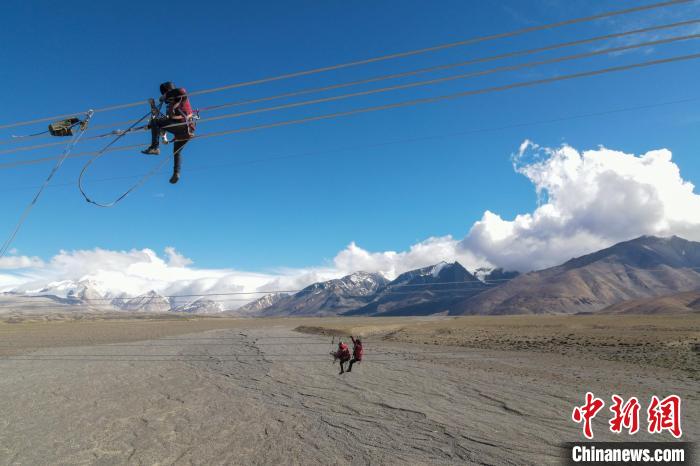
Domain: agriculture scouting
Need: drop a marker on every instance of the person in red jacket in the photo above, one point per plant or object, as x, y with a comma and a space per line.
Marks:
357, 352
343, 354
178, 120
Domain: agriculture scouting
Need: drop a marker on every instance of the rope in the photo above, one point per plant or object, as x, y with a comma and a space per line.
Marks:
472, 40
136, 185
61, 159
24, 136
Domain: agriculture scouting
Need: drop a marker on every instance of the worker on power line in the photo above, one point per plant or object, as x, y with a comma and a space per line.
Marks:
178, 120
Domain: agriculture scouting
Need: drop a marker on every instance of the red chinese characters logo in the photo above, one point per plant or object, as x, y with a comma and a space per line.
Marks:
665, 415
624, 415
587, 412
662, 415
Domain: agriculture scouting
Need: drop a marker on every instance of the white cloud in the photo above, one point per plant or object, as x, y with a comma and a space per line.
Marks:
586, 201
393, 263
19, 262
175, 259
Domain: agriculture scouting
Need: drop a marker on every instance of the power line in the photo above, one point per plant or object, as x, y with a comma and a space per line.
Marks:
397, 353
422, 70
218, 355
463, 287
451, 65
386, 143
492, 282
407, 85
109, 302
263, 358
401, 104
449, 78
247, 293
473, 40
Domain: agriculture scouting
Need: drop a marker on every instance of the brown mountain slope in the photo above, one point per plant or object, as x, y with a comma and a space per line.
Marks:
641, 268
677, 303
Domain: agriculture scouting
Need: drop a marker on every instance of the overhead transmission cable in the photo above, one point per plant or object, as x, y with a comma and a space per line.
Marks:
468, 284
411, 73
427, 70
468, 41
386, 143
449, 78
407, 103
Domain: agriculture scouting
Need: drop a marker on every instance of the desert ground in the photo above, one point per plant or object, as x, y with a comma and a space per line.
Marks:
471, 390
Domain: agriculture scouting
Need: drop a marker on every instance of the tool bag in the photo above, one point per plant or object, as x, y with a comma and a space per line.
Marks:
63, 127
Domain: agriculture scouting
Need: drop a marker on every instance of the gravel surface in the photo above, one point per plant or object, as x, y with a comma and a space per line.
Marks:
270, 395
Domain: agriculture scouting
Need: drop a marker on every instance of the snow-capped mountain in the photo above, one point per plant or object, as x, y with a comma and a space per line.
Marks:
643, 268
88, 292
200, 306
148, 302
423, 291
261, 304
331, 297
69, 289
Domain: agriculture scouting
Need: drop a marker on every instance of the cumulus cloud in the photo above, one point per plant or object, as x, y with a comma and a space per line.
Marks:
585, 201
392, 263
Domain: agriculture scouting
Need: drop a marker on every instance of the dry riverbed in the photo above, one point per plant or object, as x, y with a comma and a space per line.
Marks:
252, 391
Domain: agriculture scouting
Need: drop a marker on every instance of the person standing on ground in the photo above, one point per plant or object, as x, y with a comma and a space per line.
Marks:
357, 352
343, 354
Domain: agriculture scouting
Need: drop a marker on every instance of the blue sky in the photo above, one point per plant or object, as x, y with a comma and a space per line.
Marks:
242, 203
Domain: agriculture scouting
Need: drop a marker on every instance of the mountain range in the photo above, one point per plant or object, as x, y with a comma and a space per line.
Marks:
641, 268
638, 271
424, 291
644, 275
332, 297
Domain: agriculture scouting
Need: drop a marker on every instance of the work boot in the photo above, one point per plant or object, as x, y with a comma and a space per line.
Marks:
151, 151
175, 178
